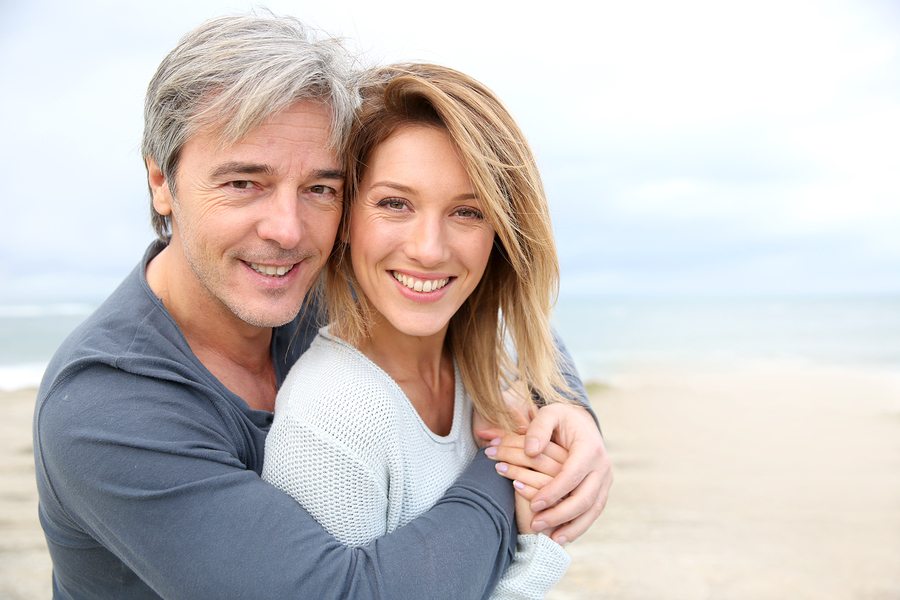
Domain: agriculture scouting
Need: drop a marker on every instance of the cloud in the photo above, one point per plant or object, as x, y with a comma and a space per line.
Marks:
696, 145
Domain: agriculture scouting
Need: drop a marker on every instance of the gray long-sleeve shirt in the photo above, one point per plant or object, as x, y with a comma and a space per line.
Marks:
148, 476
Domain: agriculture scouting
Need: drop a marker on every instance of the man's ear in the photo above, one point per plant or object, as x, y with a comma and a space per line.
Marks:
159, 189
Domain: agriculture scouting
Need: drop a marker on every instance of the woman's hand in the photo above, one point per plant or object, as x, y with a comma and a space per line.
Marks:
529, 474
578, 487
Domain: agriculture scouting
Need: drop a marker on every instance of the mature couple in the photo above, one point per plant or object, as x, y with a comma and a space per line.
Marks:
409, 200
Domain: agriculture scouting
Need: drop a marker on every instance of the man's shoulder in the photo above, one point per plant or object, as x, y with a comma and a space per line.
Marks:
127, 351
128, 331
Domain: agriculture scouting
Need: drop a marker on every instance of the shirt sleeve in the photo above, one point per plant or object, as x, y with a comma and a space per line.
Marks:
573, 379
538, 565
348, 497
151, 472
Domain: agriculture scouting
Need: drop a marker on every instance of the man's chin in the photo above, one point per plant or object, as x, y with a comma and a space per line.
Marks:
267, 317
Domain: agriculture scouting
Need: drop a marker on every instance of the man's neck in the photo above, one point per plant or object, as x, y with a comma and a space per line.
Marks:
236, 353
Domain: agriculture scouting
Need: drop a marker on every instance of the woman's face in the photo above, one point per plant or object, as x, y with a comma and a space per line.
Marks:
419, 243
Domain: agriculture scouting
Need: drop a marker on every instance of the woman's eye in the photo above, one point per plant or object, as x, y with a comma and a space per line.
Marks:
469, 213
393, 203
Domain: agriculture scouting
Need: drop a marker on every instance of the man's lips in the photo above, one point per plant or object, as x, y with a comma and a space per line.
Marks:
271, 270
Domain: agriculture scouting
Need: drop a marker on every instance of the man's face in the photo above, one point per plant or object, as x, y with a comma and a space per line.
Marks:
253, 223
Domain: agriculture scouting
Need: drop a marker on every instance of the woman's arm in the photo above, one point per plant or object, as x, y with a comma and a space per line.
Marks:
539, 562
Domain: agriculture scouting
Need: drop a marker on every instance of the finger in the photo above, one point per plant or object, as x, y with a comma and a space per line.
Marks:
489, 433
585, 456
517, 456
574, 529
540, 430
556, 452
580, 501
553, 450
529, 478
525, 491
525, 475
573, 473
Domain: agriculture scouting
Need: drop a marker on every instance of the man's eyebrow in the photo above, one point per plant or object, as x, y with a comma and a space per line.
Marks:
329, 174
241, 168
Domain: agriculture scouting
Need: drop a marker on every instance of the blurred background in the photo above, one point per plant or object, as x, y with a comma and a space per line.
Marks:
729, 151
724, 185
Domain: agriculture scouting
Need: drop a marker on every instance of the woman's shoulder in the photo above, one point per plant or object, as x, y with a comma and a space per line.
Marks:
334, 387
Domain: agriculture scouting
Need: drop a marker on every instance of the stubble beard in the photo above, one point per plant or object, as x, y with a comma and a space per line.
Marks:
215, 283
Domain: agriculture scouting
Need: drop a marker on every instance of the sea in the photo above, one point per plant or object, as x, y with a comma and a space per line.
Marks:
606, 336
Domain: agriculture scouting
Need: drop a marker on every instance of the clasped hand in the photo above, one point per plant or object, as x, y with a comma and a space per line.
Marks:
559, 466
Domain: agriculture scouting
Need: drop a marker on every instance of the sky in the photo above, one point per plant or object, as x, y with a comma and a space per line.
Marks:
692, 147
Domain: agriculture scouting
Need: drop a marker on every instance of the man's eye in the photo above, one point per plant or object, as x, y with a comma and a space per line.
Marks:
241, 184
322, 189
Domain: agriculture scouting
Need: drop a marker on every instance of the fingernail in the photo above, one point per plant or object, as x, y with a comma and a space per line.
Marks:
531, 445
491, 451
562, 540
496, 442
539, 506
502, 467
538, 525
518, 485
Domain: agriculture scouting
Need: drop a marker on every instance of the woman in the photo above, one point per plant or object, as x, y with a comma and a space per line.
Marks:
448, 251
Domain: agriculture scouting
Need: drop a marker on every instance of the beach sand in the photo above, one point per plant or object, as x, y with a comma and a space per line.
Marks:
764, 481
24, 562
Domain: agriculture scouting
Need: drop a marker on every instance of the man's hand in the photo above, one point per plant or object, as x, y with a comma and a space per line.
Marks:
577, 493
521, 409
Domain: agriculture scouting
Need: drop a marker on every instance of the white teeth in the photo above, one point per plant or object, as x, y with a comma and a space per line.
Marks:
270, 270
420, 285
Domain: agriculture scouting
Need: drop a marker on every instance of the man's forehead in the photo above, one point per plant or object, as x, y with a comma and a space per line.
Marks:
231, 129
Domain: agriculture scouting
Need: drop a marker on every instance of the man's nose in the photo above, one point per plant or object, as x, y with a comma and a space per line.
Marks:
282, 221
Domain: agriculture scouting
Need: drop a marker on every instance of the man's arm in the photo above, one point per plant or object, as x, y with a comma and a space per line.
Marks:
577, 495
155, 477
573, 379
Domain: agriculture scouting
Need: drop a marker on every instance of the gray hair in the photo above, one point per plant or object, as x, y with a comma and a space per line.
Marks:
234, 72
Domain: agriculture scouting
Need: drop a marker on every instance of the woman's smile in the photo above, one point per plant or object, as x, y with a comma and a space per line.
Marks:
419, 243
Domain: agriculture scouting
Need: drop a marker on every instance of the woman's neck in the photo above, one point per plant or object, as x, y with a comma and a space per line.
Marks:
421, 366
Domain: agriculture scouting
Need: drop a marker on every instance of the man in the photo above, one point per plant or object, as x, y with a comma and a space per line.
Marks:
151, 420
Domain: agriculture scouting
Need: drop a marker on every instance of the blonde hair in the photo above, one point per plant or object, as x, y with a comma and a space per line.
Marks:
519, 285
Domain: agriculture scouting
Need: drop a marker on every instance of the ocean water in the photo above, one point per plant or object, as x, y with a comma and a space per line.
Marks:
606, 336
29, 334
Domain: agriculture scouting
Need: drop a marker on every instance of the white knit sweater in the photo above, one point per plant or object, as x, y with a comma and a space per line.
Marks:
350, 447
